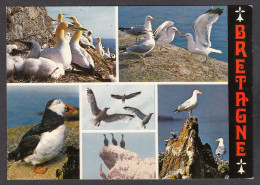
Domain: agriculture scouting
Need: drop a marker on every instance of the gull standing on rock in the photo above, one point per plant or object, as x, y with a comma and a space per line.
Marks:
165, 34
221, 149
101, 115
139, 30
202, 30
145, 118
189, 104
113, 140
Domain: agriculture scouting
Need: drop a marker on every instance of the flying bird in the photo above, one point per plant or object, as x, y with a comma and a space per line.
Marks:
122, 143
44, 141
144, 118
113, 140
221, 149
189, 104
125, 97
202, 31
101, 115
105, 140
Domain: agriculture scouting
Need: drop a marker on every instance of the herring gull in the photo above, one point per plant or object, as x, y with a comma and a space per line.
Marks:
125, 97
221, 149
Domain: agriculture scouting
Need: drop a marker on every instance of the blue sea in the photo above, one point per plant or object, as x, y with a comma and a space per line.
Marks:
212, 113
183, 18
25, 102
107, 42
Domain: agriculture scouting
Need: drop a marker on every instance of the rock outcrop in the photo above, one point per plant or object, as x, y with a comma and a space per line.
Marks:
185, 157
123, 164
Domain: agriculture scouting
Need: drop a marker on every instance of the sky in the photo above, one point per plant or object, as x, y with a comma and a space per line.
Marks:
99, 19
92, 143
144, 102
212, 112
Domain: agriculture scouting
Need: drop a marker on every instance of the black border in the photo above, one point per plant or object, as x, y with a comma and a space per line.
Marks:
256, 89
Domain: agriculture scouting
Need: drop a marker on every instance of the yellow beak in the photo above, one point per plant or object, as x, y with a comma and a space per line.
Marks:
178, 32
217, 140
182, 36
199, 92
154, 20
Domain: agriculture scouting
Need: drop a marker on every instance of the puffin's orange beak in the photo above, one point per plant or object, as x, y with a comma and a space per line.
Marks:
69, 109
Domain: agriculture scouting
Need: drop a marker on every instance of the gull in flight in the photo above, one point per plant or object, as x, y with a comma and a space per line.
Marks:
125, 97
202, 30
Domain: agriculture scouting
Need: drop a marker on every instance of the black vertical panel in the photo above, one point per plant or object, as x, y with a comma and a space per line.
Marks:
233, 88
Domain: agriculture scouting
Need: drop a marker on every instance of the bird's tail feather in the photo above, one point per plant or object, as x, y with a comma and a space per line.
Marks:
212, 50
12, 155
93, 121
176, 110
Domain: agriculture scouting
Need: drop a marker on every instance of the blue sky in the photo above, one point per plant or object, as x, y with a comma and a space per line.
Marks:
99, 19
144, 102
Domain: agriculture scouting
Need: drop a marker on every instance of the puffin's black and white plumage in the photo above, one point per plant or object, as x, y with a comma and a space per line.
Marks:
45, 140
125, 97
101, 115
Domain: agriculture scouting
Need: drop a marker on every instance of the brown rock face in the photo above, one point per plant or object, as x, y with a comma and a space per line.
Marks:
187, 158
28, 23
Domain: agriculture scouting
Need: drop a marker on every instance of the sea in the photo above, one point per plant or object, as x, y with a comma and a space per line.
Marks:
183, 18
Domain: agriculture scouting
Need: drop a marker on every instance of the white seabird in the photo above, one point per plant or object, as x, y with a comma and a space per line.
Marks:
14, 62
107, 54
221, 149
144, 118
202, 30
99, 47
125, 97
55, 23
34, 47
101, 115
139, 30
165, 34
189, 104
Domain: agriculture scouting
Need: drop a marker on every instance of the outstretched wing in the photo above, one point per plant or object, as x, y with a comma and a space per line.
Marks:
116, 96
135, 111
202, 27
132, 95
92, 100
118, 117
161, 28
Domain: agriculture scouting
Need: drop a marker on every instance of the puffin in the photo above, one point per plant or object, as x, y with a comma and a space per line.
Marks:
44, 141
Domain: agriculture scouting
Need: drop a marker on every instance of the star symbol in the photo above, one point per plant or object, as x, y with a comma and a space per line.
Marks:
240, 11
241, 170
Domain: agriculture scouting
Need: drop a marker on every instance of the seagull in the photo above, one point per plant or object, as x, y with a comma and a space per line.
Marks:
44, 141
101, 173
140, 30
125, 97
143, 46
221, 149
113, 140
122, 143
145, 118
105, 140
101, 115
165, 34
202, 30
189, 104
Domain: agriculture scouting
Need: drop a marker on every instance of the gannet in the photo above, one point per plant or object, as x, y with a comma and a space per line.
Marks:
80, 57
14, 62
101, 173
221, 149
122, 142
34, 47
87, 40
189, 104
202, 30
143, 46
89, 36
44, 141
144, 118
99, 47
105, 140
61, 53
113, 140
124, 97
165, 34
101, 115
56, 23
140, 30
107, 53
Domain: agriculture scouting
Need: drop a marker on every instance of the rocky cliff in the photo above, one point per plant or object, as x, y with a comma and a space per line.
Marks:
123, 164
185, 157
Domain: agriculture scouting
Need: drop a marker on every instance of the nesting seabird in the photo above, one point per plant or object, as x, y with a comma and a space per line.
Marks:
122, 143
144, 118
101, 173
124, 97
34, 47
113, 140
221, 149
189, 104
14, 62
139, 30
165, 34
105, 140
101, 115
99, 47
202, 30
44, 141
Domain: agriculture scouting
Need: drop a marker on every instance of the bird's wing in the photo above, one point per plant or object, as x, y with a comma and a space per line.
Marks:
116, 96
163, 26
135, 111
184, 105
132, 95
140, 47
118, 117
137, 30
202, 27
221, 150
92, 100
